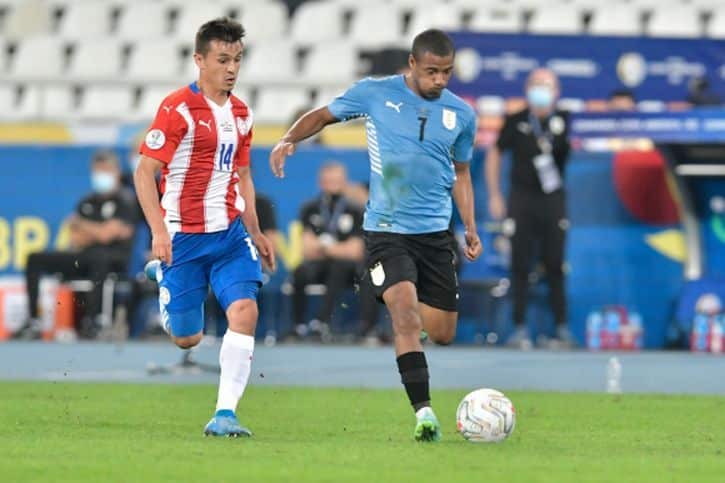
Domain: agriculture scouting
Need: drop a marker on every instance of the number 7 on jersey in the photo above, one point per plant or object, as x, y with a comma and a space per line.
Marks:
422, 120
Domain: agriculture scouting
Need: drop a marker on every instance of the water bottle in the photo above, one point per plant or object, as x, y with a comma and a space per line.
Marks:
614, 376
715, 335
635, 320
594, 330
612, 329
698, 340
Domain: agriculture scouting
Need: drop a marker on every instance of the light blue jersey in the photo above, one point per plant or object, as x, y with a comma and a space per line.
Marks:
412, 143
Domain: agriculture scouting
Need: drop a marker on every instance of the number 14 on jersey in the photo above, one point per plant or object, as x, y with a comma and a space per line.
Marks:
225, 157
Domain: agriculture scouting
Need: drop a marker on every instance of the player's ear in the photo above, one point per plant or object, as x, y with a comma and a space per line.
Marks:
411, 61
198, 60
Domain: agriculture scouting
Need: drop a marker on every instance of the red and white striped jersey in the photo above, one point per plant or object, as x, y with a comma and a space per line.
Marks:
201, 145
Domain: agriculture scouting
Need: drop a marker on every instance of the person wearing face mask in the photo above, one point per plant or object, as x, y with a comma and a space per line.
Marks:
332, 250
101, 234
537, 137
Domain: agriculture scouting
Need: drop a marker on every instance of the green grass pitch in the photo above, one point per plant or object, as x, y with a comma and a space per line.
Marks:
136, 433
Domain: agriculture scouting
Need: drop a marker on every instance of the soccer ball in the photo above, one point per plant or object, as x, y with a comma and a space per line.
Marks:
485, 416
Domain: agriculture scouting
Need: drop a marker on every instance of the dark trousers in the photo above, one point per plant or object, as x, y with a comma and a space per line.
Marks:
94, 265
336, 275
541, 226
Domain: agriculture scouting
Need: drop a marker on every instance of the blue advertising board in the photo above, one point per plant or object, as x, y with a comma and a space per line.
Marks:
692, 126
589, 67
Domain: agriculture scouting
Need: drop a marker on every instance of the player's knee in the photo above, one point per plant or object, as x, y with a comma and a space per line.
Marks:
406, 320
187, 342
242, 315
444, 336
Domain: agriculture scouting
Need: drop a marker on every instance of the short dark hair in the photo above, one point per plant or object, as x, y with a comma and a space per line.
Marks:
435, 41
104, 156
224, 29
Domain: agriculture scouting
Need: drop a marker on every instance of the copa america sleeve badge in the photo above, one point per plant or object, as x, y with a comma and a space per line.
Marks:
155, 139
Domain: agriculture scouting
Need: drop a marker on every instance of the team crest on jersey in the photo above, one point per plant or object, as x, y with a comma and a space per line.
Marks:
155, 139
449, 119
244, 125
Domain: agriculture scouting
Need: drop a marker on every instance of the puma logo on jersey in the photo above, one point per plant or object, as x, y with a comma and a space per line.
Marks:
206, 124
394, 106
166, 108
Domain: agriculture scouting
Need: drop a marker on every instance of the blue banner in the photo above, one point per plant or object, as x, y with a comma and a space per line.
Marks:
589, 67
693, 126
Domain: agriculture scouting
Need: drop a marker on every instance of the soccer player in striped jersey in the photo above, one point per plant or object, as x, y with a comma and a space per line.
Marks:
420, 141
205, 230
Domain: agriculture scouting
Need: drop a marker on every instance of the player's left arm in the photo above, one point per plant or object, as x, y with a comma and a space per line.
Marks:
351, 104
463, 188
463, 196
308, 125
251, 222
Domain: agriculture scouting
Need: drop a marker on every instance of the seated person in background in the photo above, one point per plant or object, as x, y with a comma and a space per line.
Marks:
621, 100
101, 234
332, 248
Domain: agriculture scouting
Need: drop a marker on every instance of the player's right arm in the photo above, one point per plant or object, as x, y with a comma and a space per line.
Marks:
351, 104
157, 150
308, 125
144, 179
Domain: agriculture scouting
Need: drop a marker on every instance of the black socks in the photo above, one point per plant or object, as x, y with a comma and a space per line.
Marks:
413, 370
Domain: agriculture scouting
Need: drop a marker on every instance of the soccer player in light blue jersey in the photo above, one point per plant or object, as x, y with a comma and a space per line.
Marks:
420, 142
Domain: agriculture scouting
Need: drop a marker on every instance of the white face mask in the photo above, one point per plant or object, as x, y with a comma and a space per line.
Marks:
103, 182
540, 97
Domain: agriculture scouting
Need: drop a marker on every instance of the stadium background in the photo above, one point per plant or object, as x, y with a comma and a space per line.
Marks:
69, 86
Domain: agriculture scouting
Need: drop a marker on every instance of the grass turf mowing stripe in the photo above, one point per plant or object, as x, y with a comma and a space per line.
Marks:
123, 432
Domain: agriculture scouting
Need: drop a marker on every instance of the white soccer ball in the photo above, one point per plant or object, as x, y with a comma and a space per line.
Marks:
485, 416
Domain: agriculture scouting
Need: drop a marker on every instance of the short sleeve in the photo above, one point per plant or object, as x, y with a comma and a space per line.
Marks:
353, 102
165, 133
246, 132
463, 147
245, 145
79, 207
506, 135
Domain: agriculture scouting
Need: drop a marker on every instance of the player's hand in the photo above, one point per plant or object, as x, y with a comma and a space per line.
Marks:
497, 207
277, 158
161, 246
473, 245
265, 247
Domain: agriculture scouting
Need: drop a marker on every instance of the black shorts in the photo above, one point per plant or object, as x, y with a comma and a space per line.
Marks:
428, 260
